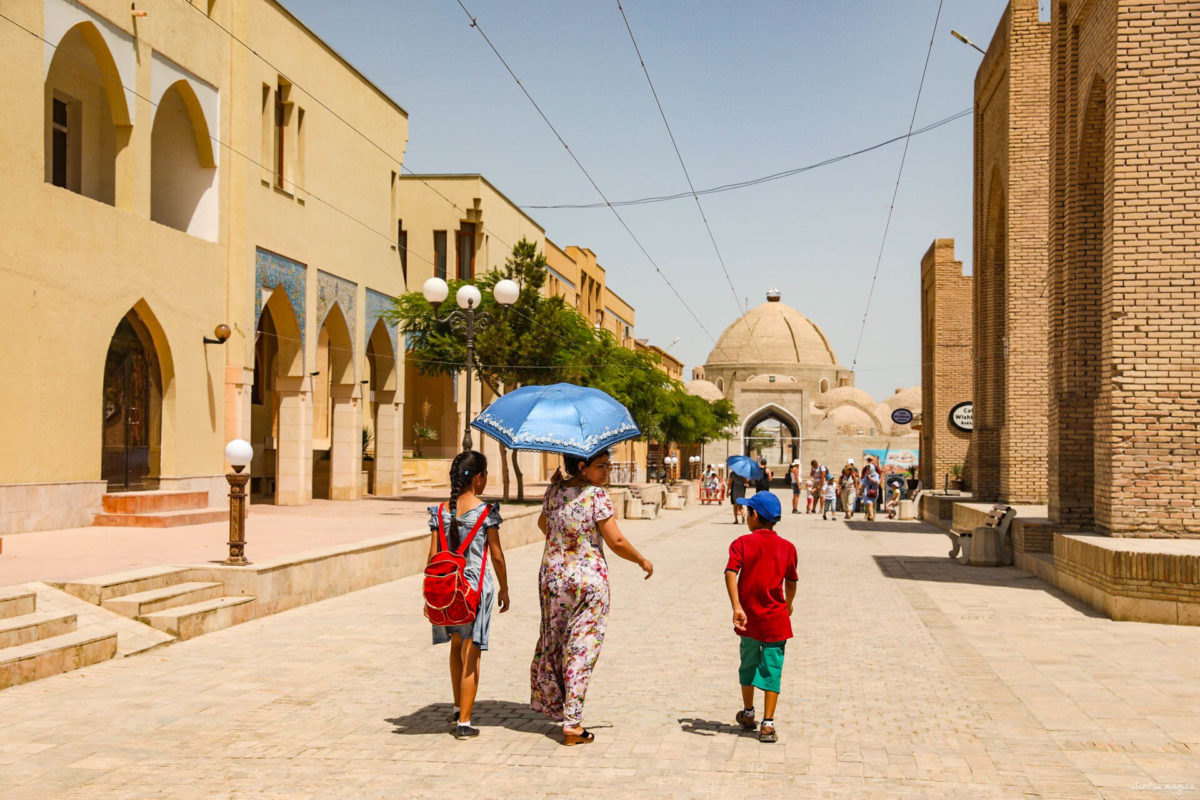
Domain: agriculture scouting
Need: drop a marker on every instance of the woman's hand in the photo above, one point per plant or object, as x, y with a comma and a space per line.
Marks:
647, 567
502, 599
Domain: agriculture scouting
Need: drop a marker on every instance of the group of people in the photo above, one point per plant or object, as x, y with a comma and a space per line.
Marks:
851, 486
578, 520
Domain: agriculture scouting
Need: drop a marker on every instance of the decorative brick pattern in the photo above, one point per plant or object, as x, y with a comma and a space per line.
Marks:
945, 360
1124, 260
1008, 457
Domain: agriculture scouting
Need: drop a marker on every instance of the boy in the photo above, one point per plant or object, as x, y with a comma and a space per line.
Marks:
761, 580
830, 494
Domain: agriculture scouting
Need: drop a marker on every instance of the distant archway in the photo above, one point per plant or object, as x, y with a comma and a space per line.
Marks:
778, 438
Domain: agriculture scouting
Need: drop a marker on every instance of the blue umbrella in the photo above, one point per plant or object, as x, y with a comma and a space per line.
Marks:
562, 418
745, 466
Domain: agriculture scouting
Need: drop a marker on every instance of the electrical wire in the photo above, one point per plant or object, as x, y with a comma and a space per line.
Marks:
895, 191
774, 176
687, 175
475, 24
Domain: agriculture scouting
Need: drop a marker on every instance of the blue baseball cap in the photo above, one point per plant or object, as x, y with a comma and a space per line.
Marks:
765, 504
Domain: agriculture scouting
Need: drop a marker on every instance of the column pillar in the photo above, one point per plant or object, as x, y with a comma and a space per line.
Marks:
345, 443
293, 468
389, 444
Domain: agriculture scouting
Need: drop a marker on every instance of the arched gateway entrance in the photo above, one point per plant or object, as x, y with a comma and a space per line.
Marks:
132, 409
771, 433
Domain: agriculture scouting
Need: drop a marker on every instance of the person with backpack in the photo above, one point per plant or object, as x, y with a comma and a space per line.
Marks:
820, 476
459, 588
763, 484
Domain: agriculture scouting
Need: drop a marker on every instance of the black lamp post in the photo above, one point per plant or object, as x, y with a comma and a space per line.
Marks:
467, 321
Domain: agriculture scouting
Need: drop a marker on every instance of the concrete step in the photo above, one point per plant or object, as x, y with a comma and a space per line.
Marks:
34, 627
139, 604
118, 584
17, 602
196, 619
57, 654
163, 519
152, 502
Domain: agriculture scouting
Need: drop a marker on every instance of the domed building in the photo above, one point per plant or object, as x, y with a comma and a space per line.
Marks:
785, 382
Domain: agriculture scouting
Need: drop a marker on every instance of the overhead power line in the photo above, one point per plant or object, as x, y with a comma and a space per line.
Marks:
475, 24
896, 190
699, 207
774, 176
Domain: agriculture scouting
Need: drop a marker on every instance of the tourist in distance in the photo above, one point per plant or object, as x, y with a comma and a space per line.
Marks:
829, 493
737, 490
893, 504
763, 484
848, 483
577, 519
468, 479
869, 482
761, 579
820, 476
810, 499
794, 480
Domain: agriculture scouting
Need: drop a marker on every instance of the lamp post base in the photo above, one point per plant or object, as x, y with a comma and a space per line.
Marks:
237, 518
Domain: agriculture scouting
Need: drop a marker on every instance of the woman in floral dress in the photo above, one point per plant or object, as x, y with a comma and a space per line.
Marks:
577, 516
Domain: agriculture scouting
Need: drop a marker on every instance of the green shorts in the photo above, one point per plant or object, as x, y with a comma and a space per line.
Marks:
762, 664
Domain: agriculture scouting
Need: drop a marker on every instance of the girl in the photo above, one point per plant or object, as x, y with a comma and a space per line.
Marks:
829, 491
468, 479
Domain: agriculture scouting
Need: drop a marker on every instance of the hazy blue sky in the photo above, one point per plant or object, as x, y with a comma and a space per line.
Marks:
750, 88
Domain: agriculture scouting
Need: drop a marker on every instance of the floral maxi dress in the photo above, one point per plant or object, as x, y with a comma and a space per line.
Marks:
573, 586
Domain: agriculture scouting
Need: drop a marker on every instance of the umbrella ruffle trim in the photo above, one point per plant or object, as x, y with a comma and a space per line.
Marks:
551, 440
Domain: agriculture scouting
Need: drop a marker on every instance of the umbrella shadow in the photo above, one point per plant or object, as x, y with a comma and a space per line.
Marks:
435, 718
709, 727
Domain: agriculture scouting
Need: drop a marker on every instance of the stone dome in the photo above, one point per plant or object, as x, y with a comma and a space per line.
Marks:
909, 398
773, 333
843, 395
706, 390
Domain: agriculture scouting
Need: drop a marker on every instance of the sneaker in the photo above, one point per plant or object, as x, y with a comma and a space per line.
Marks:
766, 734
745, 719
466, 732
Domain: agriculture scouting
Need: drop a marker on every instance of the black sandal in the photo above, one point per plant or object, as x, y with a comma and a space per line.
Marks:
583, 737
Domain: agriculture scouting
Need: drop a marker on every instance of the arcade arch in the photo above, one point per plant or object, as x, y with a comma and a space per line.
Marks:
337, 417
276, 404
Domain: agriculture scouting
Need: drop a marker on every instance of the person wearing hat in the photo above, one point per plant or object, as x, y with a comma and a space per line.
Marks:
848, 483
761, 580
794, 480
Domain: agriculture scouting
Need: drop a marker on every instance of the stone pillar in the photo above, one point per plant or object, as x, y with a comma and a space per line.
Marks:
239, 384
389, 444
345, 443
293, 468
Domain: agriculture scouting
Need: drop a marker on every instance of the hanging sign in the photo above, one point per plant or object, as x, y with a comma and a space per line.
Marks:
962, 417
902, 416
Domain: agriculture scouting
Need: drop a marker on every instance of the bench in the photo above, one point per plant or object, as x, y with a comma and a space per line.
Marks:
987, 545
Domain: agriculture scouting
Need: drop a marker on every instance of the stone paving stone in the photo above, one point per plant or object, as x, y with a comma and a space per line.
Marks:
910, 677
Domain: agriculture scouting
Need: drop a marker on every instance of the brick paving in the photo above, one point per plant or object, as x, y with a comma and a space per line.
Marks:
911, 677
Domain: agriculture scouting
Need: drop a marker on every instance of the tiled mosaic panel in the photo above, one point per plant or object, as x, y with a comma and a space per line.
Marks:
271, 271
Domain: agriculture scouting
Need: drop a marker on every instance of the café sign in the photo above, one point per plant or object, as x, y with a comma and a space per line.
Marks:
962, 417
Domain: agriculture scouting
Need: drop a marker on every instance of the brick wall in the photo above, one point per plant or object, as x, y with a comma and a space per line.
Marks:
945, 360
1010, 260
1125, 266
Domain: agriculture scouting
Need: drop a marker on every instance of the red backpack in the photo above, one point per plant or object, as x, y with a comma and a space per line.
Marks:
449, 598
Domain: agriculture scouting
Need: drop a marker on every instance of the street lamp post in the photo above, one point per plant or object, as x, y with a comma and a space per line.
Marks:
468, 321
238, 453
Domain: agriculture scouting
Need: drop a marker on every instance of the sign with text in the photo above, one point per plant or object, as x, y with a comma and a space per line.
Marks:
962, 416
902, 416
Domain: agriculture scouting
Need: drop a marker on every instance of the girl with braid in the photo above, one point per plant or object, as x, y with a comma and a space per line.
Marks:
468, 479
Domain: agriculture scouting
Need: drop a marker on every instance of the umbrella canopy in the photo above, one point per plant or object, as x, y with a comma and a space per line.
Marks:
561, 418
745, 466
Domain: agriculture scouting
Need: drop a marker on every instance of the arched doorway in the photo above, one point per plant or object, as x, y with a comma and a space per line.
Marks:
337, 416
382, 415
279, 471
132, 410
771, 433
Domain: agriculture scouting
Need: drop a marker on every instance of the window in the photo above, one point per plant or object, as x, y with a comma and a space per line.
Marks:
465, 249
439, 254
402, 248
58, 147
280, 131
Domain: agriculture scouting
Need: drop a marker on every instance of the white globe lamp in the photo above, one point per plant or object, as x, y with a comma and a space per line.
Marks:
506, 292
435, 290
239, 453
468, 297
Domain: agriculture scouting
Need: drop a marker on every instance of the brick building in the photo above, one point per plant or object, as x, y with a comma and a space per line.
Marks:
1124, 263
1008, 460
946, 360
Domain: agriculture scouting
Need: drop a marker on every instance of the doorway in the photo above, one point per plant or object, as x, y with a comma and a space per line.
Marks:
132, 410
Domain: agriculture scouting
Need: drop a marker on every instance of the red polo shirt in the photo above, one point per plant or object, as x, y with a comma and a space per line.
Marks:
763, 560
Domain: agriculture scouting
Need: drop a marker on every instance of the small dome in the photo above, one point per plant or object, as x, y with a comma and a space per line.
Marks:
909, 398
842, 395
706, 390
851, 421
773, 333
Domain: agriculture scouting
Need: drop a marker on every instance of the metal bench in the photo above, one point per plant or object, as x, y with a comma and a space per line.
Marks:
999, 519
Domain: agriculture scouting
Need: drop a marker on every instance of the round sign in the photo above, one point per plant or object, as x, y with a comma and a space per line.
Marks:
962, 416
902, 416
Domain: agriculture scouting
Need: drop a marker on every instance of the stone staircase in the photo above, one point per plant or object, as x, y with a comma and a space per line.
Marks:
414, 484
37, 645
164, 509
165, 599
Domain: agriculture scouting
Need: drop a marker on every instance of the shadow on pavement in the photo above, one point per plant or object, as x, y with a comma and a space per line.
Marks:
708, 727
435, 718
892, 526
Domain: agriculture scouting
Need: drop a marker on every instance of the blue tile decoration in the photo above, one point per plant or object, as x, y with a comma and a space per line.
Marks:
330, 290
377, 304
271, 271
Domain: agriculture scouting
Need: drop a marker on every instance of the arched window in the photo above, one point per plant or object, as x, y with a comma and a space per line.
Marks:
183, 174
824, 386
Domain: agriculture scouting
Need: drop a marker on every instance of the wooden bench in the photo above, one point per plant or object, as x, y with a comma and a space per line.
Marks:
996, 528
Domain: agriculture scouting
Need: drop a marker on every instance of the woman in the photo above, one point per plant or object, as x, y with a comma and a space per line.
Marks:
794, 480
577, 515
848, 483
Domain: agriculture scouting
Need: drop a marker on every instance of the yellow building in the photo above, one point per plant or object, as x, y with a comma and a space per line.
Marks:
183, 180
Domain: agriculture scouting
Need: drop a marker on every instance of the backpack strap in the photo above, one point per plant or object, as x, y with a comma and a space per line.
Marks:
483, 515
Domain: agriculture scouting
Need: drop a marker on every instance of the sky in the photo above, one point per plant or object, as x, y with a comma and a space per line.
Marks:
749, 89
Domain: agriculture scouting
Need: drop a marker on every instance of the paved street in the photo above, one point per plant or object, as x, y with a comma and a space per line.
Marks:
911, 677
